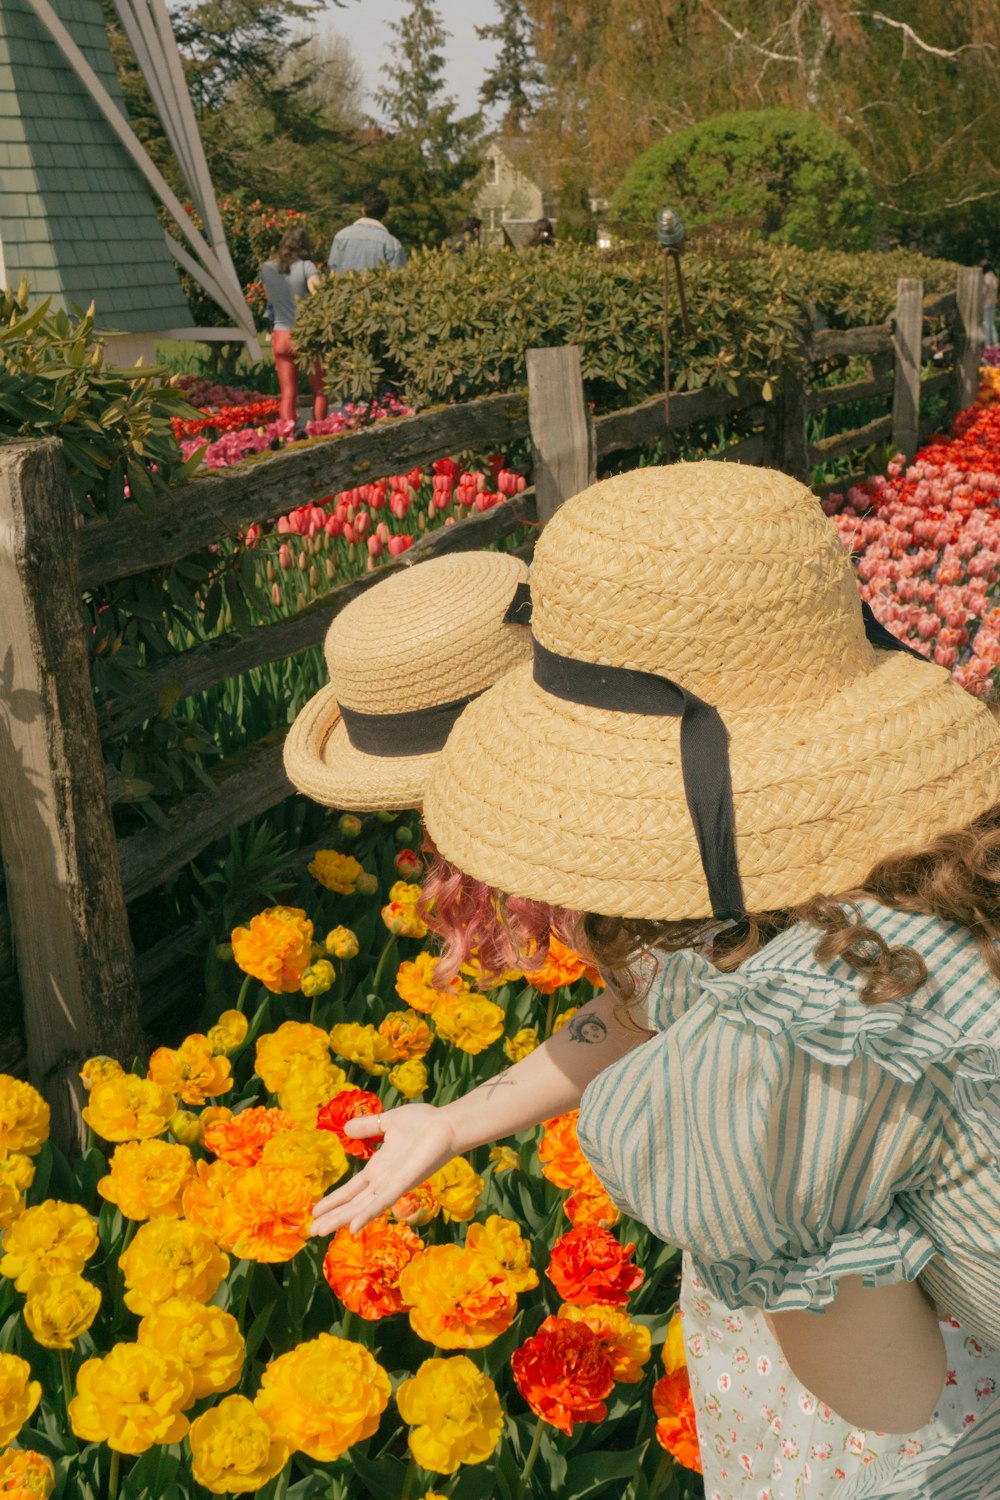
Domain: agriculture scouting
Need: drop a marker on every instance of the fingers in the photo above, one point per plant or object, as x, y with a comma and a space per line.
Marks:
356, 1203
363, 1127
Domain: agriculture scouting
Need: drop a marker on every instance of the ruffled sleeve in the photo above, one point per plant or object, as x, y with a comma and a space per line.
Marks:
775, 1125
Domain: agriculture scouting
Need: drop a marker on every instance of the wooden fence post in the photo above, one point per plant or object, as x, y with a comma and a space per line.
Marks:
968, 337
562, 432
785, 443
75, 960
907, 331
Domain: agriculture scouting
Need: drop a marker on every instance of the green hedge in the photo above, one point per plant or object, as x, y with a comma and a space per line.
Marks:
782, 172
453, 327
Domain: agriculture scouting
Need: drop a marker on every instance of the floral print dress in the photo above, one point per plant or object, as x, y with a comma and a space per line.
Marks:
763, 1436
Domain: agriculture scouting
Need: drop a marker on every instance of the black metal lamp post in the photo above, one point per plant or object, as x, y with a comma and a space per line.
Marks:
670, 236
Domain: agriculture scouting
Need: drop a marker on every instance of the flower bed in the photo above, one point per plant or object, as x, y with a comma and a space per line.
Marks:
927, 543
169, 1323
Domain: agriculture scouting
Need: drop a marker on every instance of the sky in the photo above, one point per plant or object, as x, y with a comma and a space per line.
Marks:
363, 22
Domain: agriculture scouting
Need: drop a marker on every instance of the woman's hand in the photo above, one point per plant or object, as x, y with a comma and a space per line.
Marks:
416, 1140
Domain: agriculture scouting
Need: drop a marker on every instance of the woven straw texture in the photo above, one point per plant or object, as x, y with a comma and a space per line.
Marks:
421, 637
733, 583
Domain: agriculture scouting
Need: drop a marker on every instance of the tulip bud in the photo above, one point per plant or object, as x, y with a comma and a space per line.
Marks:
349, 825
366, 883
284, 556
275, 595
375, 546
318, 978
408, 864
404, 834
185, 1127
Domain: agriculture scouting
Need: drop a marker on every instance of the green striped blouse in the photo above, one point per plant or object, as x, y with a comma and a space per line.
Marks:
787, 1135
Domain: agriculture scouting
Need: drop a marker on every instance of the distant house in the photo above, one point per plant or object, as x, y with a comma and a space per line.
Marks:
509, 200
78, 210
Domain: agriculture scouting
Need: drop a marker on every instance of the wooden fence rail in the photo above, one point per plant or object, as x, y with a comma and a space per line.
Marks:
67, 876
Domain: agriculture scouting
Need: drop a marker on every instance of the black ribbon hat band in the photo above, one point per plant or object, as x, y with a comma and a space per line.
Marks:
704, 753
704, 739
420, 731
704, 744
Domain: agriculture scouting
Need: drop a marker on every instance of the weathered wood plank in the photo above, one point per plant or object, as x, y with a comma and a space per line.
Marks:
907, 326
944, 306
785, 443
6, 942
152, 855
562, 432
968, 337
846, 442
75, 962
933, 383
854, 390
636, 425
206, 665
840, 343
219, 505
749, 451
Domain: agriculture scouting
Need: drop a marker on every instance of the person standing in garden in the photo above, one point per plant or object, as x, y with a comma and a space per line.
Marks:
288, 277
367, 244
467, 238
989, 304
777, 832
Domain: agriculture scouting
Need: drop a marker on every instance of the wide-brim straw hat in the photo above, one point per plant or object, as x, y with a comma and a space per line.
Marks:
731, 582
403, 658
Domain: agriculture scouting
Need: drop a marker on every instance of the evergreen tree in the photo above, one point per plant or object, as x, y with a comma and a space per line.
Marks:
429, 155
516, 73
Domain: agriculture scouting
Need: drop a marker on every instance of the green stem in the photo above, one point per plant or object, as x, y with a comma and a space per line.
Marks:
312, 1010
67, 1378
536, 1443
550, 1015
241, 998
411, 1474
116, 1463
346, 1323
281, 1483
245, 1293
384, 956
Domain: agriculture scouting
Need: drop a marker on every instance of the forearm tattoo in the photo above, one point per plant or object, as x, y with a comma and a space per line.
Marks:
498, 1082
585, 1026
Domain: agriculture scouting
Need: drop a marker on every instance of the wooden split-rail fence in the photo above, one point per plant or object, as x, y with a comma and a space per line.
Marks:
68, 879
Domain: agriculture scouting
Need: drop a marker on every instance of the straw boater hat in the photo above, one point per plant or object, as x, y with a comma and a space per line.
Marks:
706, 727
404, 659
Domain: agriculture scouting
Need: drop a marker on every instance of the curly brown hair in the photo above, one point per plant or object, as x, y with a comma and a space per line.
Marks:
956, 877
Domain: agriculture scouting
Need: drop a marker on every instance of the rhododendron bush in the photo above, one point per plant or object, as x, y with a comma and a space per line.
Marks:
171, 1329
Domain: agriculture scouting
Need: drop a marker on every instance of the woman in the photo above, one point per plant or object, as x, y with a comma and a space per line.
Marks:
703, 782
289, 277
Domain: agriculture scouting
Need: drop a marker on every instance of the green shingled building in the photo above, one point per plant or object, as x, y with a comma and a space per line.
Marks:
76, 215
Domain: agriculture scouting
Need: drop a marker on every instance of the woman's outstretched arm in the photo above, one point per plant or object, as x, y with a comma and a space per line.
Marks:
419, 1138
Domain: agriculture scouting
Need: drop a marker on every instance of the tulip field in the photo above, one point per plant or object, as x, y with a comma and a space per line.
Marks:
169, 1328
172, 1331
